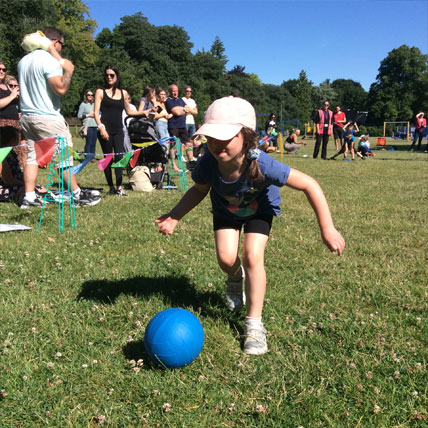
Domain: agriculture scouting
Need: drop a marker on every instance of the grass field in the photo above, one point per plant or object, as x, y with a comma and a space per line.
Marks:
348, 335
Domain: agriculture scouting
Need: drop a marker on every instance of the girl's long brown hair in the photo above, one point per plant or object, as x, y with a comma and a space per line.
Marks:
250, 167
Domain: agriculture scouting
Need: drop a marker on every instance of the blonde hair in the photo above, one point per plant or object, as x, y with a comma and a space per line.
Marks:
9, 77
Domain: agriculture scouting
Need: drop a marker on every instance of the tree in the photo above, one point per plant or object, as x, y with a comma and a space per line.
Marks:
217, 51
18, 18
301, 91
70, 16
104, 39
238, 70
394, 95
281, 102
350, 94
323, 92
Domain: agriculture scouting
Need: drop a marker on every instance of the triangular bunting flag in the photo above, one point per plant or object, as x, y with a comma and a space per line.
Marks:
4, 152
150, 143
44, 150
124, 161
103, 163
76, 169
134, 158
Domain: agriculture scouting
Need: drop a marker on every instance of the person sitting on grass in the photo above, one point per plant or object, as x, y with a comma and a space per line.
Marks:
291, 144
266, 137
244, 186
363, 149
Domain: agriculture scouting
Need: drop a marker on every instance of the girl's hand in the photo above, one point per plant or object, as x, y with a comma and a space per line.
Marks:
166, 224
334, 241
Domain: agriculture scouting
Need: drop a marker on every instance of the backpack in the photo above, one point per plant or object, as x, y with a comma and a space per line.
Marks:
139, 179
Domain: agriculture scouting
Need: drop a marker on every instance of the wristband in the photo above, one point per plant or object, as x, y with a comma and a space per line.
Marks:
101, 125
62, 61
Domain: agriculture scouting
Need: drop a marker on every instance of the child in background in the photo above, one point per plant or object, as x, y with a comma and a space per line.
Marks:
364, 147
349, 139
243, 183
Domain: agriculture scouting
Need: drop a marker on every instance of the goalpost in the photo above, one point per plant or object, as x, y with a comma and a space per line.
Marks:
404, 131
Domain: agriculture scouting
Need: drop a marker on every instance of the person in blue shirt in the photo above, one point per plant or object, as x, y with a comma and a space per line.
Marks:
244, 186
348, 141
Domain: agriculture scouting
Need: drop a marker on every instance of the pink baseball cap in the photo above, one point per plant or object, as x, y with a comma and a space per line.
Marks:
226, 116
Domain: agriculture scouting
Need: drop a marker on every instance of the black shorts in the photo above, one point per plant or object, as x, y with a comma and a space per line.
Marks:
261, 223
338, 132
180, 133
350, 143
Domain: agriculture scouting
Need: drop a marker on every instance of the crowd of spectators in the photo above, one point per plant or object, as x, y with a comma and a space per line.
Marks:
105, 116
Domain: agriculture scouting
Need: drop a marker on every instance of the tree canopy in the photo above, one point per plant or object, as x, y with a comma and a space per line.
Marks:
160, 55
400, 86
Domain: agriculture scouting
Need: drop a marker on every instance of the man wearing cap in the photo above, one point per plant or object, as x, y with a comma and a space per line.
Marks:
177, 123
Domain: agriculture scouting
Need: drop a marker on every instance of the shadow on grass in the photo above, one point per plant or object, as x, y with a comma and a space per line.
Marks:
176, 291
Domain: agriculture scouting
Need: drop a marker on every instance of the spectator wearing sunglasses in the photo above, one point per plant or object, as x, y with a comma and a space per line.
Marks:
86, 115
9, 126
111, 101
43, 81
193, 110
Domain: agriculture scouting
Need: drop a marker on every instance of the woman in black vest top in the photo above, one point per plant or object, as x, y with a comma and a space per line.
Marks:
111, 101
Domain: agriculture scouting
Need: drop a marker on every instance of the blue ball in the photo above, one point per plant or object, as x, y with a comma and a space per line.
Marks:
173, 338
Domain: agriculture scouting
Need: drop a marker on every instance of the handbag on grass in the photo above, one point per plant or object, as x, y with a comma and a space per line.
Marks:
83, 131
139, 179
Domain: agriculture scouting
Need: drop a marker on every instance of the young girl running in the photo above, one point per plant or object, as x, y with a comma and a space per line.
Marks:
244, 193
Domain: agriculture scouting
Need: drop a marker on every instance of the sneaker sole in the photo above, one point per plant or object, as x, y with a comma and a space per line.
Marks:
88, 203
256, 351
28, 207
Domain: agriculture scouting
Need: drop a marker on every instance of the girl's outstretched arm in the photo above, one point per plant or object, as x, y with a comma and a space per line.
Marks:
168, 222
330, 236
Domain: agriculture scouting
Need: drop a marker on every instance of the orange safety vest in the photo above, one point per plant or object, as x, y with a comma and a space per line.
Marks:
321, 124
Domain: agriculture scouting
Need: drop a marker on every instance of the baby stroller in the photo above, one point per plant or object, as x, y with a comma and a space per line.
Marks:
155, 156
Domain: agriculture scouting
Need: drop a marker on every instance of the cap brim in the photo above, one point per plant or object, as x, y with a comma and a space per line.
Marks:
219, 131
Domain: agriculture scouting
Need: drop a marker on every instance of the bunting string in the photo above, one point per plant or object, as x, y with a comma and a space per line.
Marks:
45, 151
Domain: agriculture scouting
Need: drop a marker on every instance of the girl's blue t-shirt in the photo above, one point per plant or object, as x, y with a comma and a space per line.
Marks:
240, 200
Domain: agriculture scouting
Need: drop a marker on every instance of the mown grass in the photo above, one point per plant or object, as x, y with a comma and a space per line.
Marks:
348, 335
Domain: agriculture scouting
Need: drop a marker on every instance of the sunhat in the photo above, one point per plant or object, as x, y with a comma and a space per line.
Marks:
226, 116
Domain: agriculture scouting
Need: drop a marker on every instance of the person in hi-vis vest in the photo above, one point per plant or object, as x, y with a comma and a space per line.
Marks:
323, 120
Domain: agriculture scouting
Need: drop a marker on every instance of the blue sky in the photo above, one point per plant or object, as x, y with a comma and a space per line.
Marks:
277, 39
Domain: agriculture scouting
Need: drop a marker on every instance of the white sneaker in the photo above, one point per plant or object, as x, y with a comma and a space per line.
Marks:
255, 340
27, 204
57, 196
235, 294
